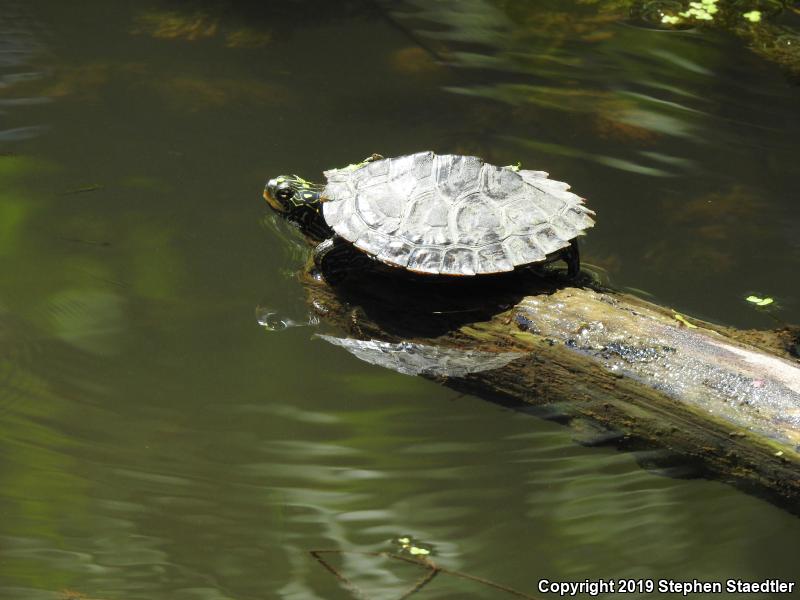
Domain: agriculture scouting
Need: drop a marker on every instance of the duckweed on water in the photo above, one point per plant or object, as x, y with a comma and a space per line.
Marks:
754, 21
703, 11
410, 546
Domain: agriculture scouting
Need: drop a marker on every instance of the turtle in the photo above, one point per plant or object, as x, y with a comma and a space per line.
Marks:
439, 215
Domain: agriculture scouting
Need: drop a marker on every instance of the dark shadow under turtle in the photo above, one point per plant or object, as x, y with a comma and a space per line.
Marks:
406, 304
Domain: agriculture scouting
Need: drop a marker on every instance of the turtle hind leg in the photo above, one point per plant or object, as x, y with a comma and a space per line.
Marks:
572, 257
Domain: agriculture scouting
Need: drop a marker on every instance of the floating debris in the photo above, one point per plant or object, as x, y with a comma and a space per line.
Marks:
247, 38
414, 60
173, 25
271, 320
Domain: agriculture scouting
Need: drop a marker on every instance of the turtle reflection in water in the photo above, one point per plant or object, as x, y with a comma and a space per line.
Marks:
420, 359
442, 215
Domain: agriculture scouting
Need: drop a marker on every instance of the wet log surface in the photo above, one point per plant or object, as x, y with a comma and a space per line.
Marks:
723, 402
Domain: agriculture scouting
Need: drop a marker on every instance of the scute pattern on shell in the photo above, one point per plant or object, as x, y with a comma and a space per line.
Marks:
451, 214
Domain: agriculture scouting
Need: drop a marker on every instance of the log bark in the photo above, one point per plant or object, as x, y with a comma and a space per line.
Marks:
723, 401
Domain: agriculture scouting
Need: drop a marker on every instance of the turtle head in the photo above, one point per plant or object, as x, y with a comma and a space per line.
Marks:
287, 193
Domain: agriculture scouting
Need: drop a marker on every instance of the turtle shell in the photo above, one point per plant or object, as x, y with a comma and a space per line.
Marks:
451, 214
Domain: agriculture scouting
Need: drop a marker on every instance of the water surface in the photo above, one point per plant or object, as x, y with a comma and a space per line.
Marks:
156, 442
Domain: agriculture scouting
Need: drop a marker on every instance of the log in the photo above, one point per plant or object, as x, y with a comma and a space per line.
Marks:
723, 401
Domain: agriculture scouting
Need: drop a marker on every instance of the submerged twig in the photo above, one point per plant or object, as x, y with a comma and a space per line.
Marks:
346, 583
88, 242
433, 570
82, 190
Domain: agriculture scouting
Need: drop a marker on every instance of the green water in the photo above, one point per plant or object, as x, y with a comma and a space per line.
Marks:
156, 442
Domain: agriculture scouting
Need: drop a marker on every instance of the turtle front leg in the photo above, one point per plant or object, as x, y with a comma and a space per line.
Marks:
333, 258
572, 257
324, 250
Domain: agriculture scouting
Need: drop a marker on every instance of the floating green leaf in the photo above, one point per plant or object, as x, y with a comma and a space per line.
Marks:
681, 319
754, 16
758, 301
